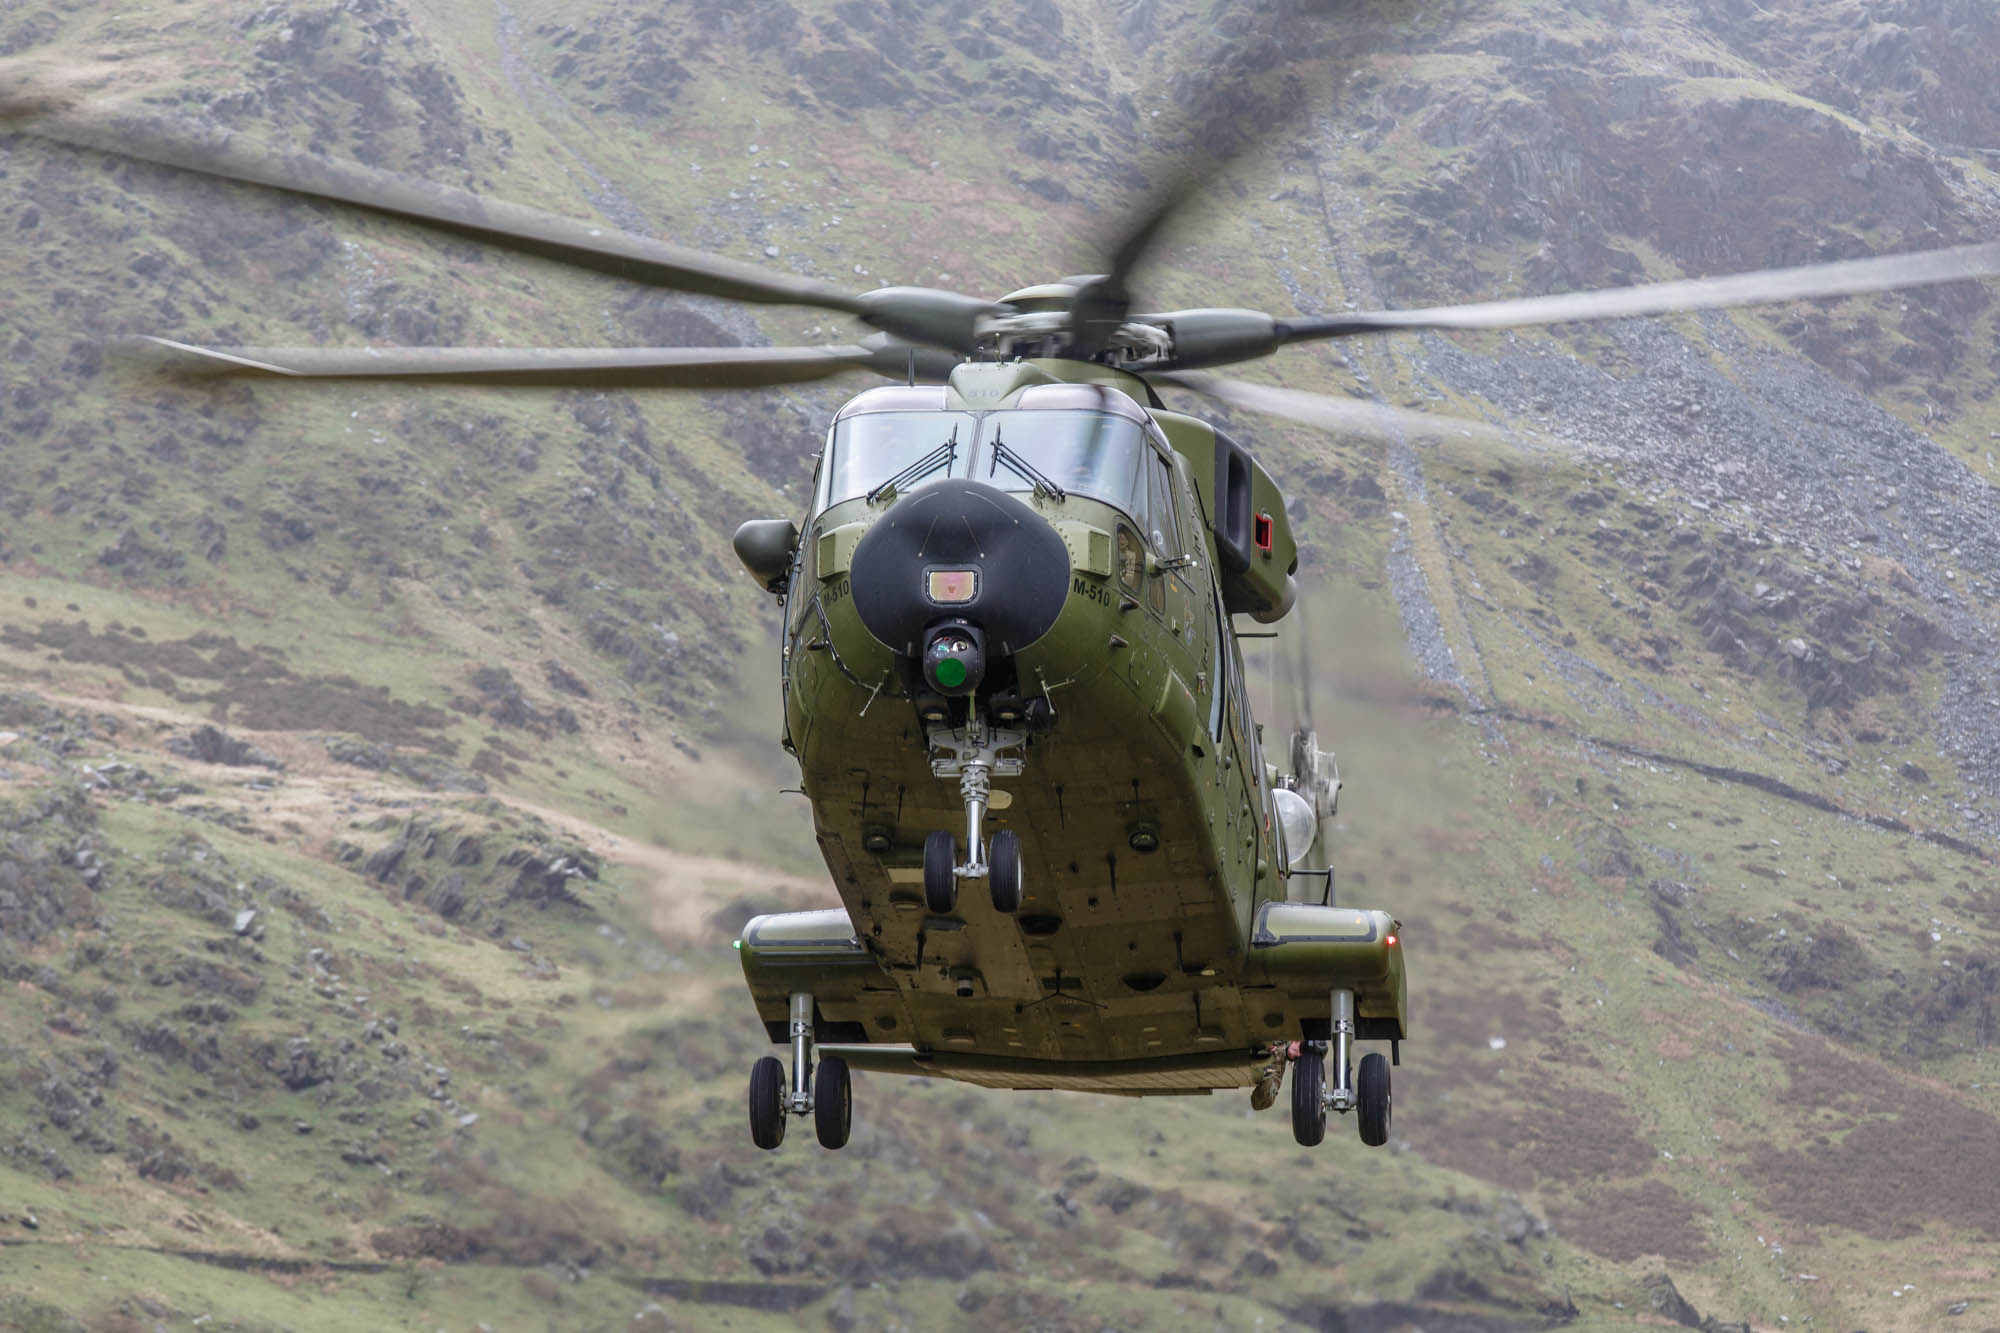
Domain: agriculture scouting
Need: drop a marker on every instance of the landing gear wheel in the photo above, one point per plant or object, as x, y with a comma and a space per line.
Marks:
1308, 1099
1003, 875
940, 873
833, 1102
767, 1102
1371, 1095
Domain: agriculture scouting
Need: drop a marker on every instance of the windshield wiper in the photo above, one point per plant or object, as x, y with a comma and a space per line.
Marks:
944, 456
1022, 468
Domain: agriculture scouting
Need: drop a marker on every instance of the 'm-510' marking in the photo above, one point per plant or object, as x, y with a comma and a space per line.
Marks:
1096, 592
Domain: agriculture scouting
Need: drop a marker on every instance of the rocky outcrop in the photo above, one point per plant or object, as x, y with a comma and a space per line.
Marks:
49, 864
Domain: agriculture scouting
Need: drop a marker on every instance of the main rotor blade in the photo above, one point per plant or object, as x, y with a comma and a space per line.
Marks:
543, 367
1851, 277
1102, 303
459, 212
1345, 416
1220, 104
1294, 671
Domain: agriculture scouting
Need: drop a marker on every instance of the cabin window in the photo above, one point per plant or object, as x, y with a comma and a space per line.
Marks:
871, 449
1156, 592
1131, 560
1166, 526
1084, 453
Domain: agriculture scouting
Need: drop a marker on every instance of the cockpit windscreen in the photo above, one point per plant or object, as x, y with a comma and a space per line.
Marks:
1086, 453
871, 449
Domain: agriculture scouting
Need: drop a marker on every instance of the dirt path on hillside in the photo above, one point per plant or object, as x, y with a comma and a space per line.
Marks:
315, 799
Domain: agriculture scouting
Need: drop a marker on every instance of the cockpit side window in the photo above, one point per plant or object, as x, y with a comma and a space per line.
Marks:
909, 448
1166, 531
1085, 453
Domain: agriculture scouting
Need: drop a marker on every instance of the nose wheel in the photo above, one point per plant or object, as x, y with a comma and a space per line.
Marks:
940, 873
1002, 870
973, 755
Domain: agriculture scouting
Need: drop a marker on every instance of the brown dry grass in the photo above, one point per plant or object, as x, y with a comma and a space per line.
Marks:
1632, 1221
1556, 1133
1915, 1155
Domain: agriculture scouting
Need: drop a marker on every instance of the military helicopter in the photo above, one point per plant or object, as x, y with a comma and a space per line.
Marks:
1011, 656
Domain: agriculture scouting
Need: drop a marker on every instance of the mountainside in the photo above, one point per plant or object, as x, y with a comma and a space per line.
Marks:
383, 773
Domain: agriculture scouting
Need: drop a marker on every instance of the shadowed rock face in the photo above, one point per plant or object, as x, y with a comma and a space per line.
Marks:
1919, 63
47, 864
1564, 149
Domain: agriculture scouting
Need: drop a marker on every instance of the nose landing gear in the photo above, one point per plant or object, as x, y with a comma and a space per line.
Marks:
972, 754
825, 1093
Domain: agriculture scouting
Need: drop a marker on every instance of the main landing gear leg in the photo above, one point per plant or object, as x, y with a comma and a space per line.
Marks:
800, 1101
1340, 1097
1312, 1098
825, 1095
1369, 1095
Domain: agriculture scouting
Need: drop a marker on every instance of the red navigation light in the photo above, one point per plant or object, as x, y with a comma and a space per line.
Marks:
1390, 940
1261, 529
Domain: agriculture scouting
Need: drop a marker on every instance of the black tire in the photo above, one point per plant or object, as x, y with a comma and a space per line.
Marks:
833, 1102
1308, 1103
1003, 876
940, 874
767, 1102
1371, 1096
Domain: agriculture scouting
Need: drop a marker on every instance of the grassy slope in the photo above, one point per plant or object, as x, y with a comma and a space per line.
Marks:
1483, 836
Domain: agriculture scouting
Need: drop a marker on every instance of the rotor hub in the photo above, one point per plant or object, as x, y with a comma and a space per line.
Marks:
1132, 345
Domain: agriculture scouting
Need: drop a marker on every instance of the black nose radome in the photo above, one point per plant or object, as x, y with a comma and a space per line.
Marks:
960, 550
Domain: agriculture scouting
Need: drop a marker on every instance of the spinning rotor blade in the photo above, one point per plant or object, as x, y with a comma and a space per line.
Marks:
1224, 337
1279, 45
1851, 277
1346, 416
1102, 303
1294, 669
459, 212
937, 318
551, 367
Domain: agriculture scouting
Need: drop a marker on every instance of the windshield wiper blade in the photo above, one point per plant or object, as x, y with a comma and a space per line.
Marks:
943, 456
1023, 469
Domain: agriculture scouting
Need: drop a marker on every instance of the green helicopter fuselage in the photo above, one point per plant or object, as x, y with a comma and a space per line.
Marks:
1097, 547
